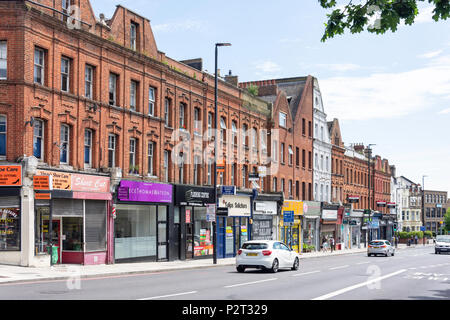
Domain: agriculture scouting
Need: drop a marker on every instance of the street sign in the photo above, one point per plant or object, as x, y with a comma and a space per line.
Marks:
253, 176
423, 228
228, 190
288, 217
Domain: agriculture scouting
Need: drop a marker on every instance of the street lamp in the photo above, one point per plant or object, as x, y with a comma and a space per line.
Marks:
216, 121
369, 156
423, 205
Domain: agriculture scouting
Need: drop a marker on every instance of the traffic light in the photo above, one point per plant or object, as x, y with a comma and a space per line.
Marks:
395, 227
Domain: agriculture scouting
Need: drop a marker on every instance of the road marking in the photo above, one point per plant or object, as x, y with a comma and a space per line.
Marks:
248, 283
341, 267
169, 295
303, 274
363, 262
344, 290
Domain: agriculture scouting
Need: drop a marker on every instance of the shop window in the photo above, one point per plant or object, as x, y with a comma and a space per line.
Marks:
10, 217
72, 233
203, 245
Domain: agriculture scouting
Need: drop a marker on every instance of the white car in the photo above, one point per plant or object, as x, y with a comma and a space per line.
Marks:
267, 255
442, 244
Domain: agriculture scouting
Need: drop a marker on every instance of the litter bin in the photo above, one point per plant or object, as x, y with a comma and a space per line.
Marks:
338, 246
53, 252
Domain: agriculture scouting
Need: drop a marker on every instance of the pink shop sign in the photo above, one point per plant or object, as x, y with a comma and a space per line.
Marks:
86, 183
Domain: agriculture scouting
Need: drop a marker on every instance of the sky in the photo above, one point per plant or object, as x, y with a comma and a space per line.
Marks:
391, 90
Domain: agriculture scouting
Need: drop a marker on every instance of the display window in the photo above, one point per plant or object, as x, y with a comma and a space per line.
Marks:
9, 229
203, 229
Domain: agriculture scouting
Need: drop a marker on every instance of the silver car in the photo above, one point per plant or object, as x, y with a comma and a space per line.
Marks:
380, 247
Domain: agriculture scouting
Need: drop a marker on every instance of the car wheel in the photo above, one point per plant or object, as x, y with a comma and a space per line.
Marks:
369, 254
296, 264
386, 254
393, 252
240, 269
275, 266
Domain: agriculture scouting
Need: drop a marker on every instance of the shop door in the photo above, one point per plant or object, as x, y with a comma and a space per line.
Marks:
177, 240
189, 241
229, 237
56, 235
220, 237
162, 233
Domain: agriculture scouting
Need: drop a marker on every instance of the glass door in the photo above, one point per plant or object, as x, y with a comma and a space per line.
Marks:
162, 233
229, 237
189, 232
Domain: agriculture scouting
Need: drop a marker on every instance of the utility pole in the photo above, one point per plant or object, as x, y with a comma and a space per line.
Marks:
423, 206
369, 157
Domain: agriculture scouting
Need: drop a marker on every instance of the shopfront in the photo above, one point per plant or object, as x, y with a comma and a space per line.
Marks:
291, 232
234, 228
73, 216
328, 225
141, 225
264, 220
193, 227
10, 213
311, 225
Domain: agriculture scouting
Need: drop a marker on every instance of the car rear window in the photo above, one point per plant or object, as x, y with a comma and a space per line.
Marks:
443, 239
255, 246
376, 243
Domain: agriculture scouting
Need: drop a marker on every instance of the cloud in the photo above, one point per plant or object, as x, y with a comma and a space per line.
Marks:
339, 66
187, 25
431, 54
445, 111
385, 95
267, 66
425, 15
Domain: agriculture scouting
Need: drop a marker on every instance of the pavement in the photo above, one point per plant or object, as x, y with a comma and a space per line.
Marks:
14, 274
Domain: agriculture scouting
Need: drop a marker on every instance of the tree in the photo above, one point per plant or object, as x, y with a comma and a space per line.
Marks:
376, 16
447, 220
253, 89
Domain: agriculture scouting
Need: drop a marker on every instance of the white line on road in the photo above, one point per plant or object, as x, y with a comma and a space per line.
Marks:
169, 295
341, 267
363, 262
247, 283
338, 292
303, 274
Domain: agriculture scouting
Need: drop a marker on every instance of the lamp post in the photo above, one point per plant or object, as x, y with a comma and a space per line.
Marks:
369, 156
423, 206
216, 121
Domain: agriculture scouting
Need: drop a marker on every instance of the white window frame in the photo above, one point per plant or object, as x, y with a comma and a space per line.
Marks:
39, 65
166, 166
282, 119
151, 158
88, 135
290, 156
132, 151
151, 101
112, 89
133, 95
182, 109
36, 125
5, 133
166, 112
65, 74
88, 81
64, 143
112, 144
4, 59
133, 35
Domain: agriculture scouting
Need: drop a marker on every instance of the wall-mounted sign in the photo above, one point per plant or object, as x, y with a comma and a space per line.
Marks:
253, 176
10, 176
353, 199
88, 183
60, 180
145, 192
391, 205
42, 196
42, 183
381, 203
237, 206
188, 216
228, 190
329, 214
265, 207
293, 205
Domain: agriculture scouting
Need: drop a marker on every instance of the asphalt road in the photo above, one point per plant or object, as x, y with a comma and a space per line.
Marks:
413, 273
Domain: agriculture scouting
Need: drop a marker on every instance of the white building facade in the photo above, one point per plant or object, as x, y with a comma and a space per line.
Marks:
321, 150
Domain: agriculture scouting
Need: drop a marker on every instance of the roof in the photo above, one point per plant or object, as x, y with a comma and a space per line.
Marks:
292, 88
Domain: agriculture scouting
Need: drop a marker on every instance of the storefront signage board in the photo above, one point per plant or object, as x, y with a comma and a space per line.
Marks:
60, 180
228, 190
329, 214
265, 207
42, 183
42, 196
188, 216
295, 206
237, 206
146, 192
87, 183
10, 176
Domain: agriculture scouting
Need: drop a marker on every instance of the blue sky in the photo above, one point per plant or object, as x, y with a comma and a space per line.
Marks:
391, 90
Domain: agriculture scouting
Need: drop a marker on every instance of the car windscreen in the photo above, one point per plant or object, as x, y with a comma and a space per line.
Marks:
443, 239
376, 243
255, 246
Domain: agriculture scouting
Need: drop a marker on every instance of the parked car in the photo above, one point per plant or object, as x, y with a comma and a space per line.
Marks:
380, 247
442, 244
266, 255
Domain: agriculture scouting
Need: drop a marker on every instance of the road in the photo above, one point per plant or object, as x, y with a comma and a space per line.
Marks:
412, 274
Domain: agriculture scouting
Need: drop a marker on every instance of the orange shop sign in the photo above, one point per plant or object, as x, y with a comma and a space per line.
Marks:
60, 180
10, 176
42, 182
42, 196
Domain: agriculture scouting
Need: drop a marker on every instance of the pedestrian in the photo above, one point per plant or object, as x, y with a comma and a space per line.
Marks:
324, 245
417, 239
332, 245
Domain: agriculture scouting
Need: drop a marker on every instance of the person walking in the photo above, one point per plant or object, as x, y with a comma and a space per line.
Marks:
332, 244
324, 245
416, 239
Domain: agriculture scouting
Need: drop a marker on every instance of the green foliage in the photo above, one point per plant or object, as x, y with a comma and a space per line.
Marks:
412, 234
376, 16
307, 247
253, 89
447, 220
